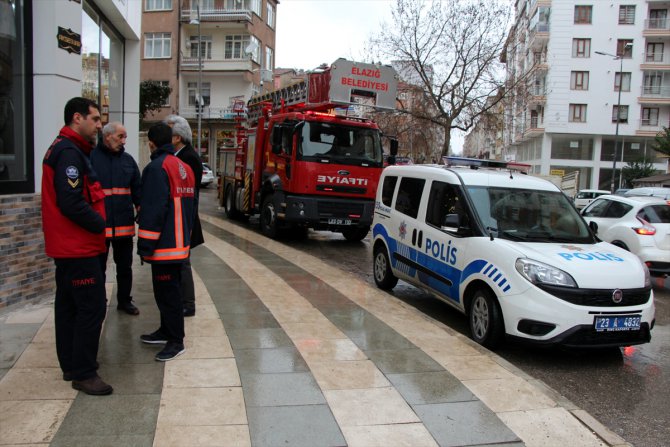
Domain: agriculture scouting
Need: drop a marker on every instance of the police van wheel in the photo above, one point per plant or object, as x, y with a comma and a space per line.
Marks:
486, 323
384, 277
268, 219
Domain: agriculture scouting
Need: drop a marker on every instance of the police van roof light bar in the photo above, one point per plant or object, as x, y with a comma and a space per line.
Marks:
474, 163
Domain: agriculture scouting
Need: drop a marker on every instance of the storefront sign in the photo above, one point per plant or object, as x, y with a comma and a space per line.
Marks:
69, 41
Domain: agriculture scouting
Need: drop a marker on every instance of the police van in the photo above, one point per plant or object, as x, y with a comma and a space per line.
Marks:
510, 251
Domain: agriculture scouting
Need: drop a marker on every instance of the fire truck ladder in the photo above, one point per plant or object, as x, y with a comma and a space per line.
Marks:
287, 96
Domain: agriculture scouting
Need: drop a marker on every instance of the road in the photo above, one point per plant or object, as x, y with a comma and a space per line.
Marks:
625, 389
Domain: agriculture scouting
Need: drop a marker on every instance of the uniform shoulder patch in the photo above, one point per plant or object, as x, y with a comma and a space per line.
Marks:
72, 172
182, 171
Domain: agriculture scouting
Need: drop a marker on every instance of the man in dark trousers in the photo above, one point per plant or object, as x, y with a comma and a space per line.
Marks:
120, 178
164, 236
181, 139
73, 221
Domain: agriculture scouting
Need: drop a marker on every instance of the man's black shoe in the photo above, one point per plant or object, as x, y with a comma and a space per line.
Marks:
93, 386
67, 375
170, 351
155, 338
128, 308
189, 312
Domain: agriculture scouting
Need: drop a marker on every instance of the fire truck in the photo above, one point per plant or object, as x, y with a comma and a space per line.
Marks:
301, 162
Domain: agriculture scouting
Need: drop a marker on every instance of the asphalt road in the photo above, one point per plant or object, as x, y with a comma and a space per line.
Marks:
625, 389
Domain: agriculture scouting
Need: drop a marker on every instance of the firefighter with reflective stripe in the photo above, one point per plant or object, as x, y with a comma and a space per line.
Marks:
166, 217
120, 179
73, 221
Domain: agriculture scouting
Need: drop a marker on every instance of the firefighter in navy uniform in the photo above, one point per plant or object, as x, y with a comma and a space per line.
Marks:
73, 221
166, 218
120, 178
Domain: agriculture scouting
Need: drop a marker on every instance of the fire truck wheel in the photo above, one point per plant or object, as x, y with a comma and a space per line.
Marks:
355, 234
268, 218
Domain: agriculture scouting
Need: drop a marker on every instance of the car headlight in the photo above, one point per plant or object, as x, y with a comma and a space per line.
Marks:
539, 273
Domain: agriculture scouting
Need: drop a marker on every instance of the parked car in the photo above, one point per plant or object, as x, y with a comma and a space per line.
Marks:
638, 224
621, 191
207, 176
586, 196
663, 193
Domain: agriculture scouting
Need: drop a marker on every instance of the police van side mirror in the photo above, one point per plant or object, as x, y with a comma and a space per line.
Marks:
452, 222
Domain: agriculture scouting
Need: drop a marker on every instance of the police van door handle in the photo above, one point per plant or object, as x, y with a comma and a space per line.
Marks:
414, 236
420, 238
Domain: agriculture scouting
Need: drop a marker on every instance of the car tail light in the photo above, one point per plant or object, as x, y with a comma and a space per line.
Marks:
646, 229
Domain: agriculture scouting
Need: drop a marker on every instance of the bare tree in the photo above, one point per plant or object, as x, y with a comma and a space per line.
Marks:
451, 49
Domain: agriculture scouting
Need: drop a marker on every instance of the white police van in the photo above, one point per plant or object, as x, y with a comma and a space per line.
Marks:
509, 251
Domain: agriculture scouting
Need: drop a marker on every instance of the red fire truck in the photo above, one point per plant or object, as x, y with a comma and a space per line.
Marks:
299, 163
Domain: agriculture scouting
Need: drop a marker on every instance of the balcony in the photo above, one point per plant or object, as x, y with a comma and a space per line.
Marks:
656, 28
215, 62
654, 94
648, 127
537, 95
655, 61
539, 35
209, 113
189, 12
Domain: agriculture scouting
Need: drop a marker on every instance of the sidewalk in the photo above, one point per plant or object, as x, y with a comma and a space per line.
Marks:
284, 350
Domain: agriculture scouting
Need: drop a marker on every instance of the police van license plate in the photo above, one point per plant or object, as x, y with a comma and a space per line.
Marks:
335, 221
618, 323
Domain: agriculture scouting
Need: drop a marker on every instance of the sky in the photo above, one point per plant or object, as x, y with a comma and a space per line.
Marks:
313, 32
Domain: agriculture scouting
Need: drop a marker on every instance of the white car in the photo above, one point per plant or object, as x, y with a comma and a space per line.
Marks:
663, 193
207, 176
586, 196
639, 224
509, 251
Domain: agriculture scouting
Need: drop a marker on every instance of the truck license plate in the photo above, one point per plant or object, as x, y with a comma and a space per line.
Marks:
336, 221
619, 323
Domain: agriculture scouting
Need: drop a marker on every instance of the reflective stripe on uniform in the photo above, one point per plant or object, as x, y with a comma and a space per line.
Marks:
116, 191
146, 234
169, 254
178, 224
128, 230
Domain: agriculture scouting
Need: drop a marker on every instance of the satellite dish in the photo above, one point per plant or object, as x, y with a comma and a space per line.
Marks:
251, 48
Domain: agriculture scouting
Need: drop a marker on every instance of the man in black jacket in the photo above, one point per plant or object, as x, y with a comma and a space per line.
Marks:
181, 139
120, 179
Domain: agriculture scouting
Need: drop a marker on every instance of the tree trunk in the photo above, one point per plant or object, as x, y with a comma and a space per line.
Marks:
447, 141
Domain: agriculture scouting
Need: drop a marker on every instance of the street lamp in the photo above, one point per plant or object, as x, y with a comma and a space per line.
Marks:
618, 108
198, 100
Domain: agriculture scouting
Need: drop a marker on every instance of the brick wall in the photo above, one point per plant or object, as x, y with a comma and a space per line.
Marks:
26, 273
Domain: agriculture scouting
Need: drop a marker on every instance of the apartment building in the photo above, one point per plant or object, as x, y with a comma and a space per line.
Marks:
581, 73
213, 54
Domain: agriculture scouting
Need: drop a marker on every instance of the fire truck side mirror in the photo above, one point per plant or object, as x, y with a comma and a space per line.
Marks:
394, 147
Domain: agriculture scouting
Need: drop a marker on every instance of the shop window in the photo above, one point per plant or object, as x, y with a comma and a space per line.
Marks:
16, 161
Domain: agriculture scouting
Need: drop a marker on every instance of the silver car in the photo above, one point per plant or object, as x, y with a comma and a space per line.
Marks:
207, 176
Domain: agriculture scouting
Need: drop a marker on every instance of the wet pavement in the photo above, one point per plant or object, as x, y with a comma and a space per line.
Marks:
284, 350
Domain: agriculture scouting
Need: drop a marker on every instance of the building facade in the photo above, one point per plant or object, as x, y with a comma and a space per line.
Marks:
212, 53
572, 66
51, 51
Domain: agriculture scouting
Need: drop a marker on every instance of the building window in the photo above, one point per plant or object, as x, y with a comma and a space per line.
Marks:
157, 45
583, 13
271, 15
658, 19
654, 52
158, 5
235, 46
652, 84
581, 47
579, 80
16, 153
205, 88
269, 58
577, 113
624, 47
622, 80
102, 62
627, 15
623, 115
205, 46
650, 116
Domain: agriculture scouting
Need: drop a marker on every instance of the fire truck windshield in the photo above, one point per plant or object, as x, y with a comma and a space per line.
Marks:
334, 143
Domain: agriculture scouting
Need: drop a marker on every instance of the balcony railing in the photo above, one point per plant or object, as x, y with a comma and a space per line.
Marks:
650, 122
215, 62
209, 112
656, 91
653, 58
216, 15
657, 24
